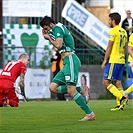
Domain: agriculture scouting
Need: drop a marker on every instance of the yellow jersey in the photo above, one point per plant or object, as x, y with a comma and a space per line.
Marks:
119, 36
130, 43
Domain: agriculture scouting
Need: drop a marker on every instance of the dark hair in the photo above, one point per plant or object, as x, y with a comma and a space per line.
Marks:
46, 21
115, 16
24, 55
84, 78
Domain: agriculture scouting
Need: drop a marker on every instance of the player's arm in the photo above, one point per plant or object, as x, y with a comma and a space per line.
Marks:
130, 51
107, 54
21, 83
56, 43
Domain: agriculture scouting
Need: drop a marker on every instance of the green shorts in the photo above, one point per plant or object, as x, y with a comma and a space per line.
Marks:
69, 74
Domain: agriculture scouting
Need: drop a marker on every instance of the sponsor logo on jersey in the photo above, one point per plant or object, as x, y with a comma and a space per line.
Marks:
67, 77
6, 73
58, 34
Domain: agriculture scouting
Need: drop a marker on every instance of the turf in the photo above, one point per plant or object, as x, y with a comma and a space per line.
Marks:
62, 117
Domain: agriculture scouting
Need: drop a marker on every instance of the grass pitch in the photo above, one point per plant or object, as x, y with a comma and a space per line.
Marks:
63, 116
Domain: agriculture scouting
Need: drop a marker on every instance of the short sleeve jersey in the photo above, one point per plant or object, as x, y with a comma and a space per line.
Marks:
12, 70
60, 31
119, 36
130, 43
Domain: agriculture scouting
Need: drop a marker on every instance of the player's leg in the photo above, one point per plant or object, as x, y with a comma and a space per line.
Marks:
112, 89
108, 76
130, 88
63, 89
110, 73
58, 85
80, 101
82, 90
117, 99
71, 78
120, 69
54, 87
3, 95
118, 84
12, 97
65, 76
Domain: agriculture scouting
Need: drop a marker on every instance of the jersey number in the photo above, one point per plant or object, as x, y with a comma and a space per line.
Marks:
10, 65
122, 39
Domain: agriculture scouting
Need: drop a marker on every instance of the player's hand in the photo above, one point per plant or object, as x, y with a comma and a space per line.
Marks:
103, 64
131, 64
46, 36
22, 90
43, 32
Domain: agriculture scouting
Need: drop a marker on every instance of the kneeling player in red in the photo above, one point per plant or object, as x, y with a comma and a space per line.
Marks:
8, 77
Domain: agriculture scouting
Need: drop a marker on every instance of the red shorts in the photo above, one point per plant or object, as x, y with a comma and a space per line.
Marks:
7, 90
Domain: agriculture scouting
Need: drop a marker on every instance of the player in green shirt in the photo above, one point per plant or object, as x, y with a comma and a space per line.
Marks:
66, 79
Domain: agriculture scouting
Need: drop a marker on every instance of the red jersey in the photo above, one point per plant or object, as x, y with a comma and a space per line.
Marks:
12, 70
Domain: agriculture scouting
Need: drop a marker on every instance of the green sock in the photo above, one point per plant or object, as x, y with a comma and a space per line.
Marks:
63, 89
78, 98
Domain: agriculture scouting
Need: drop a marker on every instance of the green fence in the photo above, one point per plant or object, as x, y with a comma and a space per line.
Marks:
40, 57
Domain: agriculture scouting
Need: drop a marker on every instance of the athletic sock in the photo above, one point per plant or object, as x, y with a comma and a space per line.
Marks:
78, 98
62, 89
114, 91
130, 89
117, 99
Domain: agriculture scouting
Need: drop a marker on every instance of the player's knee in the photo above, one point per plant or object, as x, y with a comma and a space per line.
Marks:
14, 102
1, 103
14, 105
106, 83
71, 90
53, 87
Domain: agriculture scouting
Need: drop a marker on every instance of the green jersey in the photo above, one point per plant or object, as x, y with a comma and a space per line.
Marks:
60, 31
